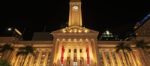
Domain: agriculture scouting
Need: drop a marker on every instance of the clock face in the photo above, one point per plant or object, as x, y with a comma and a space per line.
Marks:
75, 7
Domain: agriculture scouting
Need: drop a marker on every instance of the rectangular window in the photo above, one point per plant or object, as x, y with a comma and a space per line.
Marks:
69, 50
75, 50
80, 50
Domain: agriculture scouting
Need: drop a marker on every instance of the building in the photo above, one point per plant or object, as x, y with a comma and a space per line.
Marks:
108, 36
76, 46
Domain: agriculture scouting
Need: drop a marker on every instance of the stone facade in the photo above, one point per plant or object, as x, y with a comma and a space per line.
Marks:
77, 46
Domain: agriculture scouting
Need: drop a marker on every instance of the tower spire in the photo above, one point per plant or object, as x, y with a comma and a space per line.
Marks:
75, 14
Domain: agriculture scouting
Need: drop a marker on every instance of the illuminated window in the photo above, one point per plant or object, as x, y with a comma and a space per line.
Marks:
75, 64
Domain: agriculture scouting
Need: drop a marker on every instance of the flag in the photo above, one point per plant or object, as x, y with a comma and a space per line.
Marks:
62, 55
87, 51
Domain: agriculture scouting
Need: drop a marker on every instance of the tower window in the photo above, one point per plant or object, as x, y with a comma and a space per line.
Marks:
69, 50
80, 50
75, 50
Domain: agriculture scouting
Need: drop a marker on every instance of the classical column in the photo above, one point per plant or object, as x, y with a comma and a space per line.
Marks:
123, 58
11, 56
55, 52
31, 63
104, 59
13, 59
45, 59
133, 58
131, 61
142, 56
26, 60
101, 62
119, 62
108, 58
111, 59
138, 59
39, 58
16, 60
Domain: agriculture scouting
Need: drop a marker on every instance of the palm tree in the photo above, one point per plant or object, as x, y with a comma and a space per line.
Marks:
124, 47
143, 46
24, 51
4, 63
6, 50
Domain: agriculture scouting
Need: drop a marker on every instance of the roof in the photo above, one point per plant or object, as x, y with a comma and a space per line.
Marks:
142, 22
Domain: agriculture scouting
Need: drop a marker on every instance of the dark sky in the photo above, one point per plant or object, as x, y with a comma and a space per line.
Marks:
117, 16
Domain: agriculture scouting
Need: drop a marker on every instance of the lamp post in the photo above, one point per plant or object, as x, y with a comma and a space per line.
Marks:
9, 29
15, 31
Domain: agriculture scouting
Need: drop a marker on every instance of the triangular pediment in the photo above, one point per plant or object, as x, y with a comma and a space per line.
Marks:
75, 30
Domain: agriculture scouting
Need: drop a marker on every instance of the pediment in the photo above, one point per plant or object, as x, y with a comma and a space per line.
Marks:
75, 30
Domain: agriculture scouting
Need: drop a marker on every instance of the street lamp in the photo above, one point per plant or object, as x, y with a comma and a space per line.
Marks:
9, 29
107, 32
15, 30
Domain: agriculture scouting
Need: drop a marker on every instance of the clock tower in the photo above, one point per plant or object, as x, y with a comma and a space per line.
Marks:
75, 45
75, 14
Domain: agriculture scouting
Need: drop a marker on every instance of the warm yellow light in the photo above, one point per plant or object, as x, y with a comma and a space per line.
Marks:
75, 7
63, 39
70, 30
136, 34
75, 30
86, 30
86, 39
80, 40
69, 40
63, 30
18, 32
58, 39
75, 40
79, 31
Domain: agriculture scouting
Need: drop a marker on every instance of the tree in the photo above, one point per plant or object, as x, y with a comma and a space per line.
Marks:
124, 47
5, 49
142, 44
24, 51
4, 63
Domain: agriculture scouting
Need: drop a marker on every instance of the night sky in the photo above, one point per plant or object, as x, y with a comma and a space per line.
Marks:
38, 16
